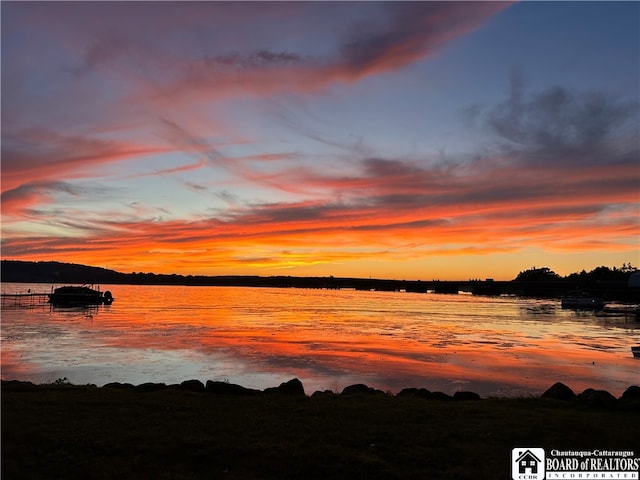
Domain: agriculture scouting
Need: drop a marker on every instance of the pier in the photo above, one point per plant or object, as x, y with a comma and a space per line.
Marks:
23, 299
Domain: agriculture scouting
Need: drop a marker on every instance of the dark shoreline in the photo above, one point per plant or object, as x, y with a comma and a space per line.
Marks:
181, 432
610, 285
295, 388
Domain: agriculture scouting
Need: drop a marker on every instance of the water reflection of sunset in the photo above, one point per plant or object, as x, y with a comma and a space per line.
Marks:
328, 339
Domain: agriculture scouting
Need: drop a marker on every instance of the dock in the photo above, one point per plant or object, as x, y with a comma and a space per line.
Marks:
16, 300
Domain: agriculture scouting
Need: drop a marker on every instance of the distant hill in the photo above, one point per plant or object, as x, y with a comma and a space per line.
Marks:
56, 272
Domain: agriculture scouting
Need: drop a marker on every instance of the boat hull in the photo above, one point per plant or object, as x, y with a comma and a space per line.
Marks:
79, 296
582, 303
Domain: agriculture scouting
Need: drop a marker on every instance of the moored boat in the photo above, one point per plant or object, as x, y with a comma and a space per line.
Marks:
582, 301
79, 295
636, 351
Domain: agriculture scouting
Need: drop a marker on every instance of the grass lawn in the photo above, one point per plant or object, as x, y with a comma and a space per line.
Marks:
68, 432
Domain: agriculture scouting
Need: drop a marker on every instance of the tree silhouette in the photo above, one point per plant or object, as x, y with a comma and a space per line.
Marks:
535, 274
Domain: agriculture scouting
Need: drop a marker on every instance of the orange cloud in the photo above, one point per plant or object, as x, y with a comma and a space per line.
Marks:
558, 171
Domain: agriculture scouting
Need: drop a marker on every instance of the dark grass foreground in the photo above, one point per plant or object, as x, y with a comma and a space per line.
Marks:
84, 432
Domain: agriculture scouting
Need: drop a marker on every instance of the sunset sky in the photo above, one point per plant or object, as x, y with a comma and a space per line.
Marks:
417, 140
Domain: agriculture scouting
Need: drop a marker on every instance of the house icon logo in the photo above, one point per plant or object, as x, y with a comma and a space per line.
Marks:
527, 463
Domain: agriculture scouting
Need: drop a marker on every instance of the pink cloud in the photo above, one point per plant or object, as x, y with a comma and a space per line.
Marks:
405, 33
115, 80
44, 155
155, 80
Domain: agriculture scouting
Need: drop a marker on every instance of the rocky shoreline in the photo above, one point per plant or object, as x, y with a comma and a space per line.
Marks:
295, 388
196, 430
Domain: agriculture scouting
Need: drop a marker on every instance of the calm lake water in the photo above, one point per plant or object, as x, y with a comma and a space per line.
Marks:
260, 337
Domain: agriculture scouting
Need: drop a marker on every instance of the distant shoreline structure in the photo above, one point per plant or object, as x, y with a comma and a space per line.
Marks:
612, 285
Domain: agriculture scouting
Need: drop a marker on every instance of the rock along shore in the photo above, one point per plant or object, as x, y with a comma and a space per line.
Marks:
196, 430
295, 388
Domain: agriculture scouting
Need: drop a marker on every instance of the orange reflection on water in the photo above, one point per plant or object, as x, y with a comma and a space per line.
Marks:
328, 339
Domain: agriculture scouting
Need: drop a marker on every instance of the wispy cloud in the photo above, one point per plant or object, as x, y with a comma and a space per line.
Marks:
409, 31
562, 125
128, 79
20, 201
515, 199
45, 155
98, 86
